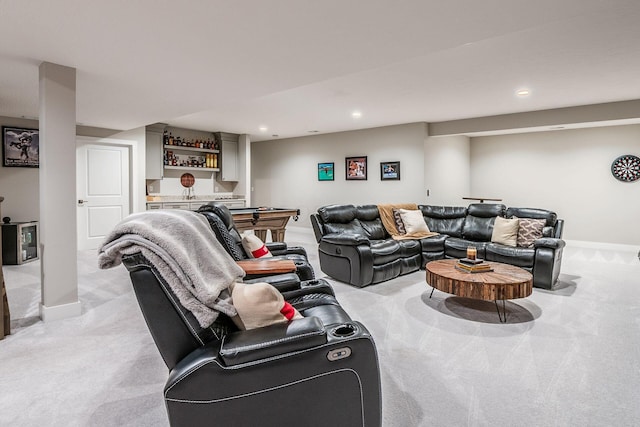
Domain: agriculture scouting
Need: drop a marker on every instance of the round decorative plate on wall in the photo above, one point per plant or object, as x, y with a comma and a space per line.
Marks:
187, 180
626, 168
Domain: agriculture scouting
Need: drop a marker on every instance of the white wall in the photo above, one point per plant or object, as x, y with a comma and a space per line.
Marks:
20, 187
446, 172
284, 172
566, 171
244, 168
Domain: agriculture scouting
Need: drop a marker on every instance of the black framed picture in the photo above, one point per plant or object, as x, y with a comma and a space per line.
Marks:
390, 171
325, 171
356, 168
20, 147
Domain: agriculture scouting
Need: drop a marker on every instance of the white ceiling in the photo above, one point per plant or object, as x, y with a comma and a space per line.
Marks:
300, 65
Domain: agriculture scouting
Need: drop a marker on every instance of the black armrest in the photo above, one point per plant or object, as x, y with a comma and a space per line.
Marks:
255, 344
549, 242
308, 287
559, 228
346, 239
282, 282
282, 248
276, 246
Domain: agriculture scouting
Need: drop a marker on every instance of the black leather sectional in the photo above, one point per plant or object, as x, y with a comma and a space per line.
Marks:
354, 247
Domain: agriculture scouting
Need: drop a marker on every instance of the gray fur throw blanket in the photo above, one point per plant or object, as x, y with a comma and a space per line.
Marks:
182, 247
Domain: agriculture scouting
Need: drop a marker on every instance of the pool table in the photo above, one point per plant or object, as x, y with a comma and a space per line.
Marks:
262, 219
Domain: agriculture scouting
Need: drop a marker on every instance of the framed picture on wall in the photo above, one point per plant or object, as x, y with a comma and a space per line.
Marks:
390, 171
356, 168
325, 171
20, 147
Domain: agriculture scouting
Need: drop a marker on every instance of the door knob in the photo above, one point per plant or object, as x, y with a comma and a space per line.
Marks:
81, 202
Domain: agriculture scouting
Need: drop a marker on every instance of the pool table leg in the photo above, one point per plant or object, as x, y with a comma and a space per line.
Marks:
277, 235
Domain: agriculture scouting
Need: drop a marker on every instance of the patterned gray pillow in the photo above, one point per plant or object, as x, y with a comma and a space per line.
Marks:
529, 230
398, 220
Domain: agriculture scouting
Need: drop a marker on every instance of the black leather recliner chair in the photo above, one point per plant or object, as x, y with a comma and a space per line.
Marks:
221, 222
354, 247
317, 371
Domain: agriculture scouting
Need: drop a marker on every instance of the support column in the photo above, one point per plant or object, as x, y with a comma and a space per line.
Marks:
58, 235
244, 167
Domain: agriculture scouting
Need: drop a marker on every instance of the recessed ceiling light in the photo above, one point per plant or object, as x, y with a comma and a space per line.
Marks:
263, 129
275, 135
313, 131
523, 92
356, 114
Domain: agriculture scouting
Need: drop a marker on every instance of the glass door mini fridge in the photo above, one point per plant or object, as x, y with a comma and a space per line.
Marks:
20, 242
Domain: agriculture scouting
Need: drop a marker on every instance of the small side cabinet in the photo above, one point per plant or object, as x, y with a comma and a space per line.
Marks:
20, 243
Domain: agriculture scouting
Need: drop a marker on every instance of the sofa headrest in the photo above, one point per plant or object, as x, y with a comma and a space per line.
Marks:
221, 210
443, 212
228, 238
486, 210
337, 213
535, 213
367, 212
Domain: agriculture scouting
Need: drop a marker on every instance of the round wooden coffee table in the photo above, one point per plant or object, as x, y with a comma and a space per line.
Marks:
503, 283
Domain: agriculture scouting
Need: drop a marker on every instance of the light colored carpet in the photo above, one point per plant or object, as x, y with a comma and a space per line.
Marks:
569, 357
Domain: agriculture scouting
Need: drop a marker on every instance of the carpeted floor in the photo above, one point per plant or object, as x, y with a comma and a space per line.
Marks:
568, 357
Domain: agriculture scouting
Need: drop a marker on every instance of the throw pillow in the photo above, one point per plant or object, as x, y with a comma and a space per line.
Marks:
254, 247
260, 304
398, 221
505, 231
530, 229
413, 221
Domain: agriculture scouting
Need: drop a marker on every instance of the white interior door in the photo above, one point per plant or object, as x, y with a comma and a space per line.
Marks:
102, 189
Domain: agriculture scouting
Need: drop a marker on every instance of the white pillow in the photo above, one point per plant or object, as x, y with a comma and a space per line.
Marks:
260, 304
505, 231
254, 247
413, 221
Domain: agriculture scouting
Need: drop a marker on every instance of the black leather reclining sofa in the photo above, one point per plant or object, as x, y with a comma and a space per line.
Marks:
354, 247
316, 371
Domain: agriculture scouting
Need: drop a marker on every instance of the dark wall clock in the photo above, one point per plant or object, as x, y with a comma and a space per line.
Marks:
626, 168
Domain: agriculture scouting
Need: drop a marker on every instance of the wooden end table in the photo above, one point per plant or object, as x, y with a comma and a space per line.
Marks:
267, 266
503, 283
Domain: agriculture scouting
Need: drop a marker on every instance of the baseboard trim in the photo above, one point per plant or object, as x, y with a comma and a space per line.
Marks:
59, 312
600, 245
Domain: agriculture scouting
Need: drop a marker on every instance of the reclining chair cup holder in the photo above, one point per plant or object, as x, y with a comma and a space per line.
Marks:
344, 330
